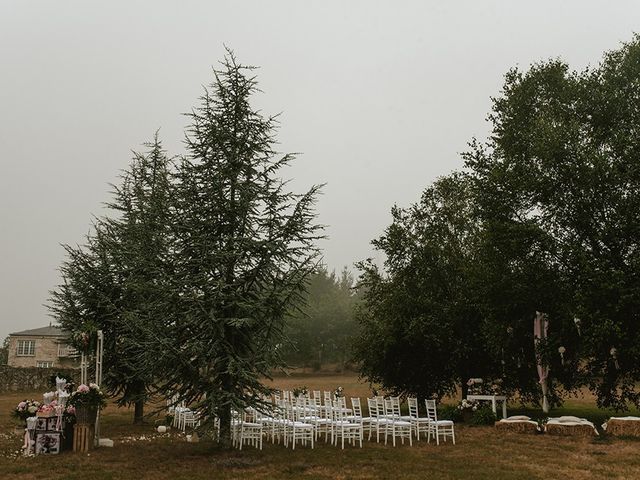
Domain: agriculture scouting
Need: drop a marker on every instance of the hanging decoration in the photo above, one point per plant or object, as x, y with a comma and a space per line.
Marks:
614, 355
561, 351
577, 322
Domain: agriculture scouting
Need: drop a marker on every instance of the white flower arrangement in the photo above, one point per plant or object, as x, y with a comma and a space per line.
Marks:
468, 405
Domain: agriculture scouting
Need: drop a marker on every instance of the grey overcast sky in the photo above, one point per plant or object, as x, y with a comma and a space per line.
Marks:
380, 98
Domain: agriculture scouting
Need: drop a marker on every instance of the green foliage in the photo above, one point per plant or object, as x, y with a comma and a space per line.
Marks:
242, 248
558, 191
483, 416
420, 328
322, 331
449, 412
192, 274
4, 351
112, 282
544, 218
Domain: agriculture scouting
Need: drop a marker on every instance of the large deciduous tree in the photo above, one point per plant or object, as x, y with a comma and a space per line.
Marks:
420, 329
555, 192
559, 188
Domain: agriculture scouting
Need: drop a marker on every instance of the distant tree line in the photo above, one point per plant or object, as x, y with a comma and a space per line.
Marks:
322, 331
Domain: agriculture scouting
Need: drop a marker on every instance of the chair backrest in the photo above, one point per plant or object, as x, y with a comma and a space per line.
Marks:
380, 403
356, 407
337, 410
316, 396
372, 404
290, 412
388, 407
327, 398
413, 406
432, 412
395, 406
280, 409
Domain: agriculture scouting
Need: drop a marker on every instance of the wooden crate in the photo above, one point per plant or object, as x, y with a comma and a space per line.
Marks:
82, 438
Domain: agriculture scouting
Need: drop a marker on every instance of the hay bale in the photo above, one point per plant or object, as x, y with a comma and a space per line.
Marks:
623, 427
523, 426
570, 430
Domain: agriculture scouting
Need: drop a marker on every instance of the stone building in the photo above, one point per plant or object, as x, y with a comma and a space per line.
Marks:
45, 347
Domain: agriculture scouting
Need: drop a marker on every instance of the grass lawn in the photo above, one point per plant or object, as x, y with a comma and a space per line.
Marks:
480, 452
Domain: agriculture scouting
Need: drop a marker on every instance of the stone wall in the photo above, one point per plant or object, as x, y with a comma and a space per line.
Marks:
14, 379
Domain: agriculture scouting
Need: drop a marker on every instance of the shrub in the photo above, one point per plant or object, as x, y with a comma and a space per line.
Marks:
449, 412
483, 416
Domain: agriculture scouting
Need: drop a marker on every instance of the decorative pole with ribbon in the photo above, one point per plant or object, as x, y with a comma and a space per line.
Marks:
540, 326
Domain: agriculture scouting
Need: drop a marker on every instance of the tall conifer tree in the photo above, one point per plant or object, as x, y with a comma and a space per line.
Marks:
243, 246
113, 282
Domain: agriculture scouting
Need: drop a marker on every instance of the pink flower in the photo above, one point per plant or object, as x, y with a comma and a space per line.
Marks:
83, 388
22, 405
71, 410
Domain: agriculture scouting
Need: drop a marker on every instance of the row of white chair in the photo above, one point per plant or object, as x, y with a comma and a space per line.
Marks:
303, 420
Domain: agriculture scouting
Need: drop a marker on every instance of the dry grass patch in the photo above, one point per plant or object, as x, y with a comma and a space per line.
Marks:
480, 453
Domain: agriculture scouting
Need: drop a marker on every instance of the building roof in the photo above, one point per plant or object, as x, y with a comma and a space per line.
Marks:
48, 331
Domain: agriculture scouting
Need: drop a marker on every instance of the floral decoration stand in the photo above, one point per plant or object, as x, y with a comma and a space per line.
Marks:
82, 438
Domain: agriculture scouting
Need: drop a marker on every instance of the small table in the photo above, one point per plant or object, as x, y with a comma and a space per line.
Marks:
493, 399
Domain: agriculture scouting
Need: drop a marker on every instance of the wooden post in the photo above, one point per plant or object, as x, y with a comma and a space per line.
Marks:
82, 438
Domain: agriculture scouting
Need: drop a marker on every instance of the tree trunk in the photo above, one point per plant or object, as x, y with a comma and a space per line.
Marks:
138, 412
225, 415
464, 390
225, 427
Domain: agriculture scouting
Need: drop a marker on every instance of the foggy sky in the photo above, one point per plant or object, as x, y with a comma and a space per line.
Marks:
379, 97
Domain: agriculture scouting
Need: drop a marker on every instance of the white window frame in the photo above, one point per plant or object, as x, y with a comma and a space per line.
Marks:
44, 364
26, 348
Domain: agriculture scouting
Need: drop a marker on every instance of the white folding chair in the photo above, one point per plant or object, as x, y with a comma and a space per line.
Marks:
438, 428
343, 428
246, 431
375, 419
395, 425
295, 430
420, 424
